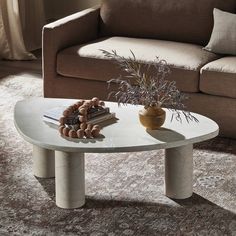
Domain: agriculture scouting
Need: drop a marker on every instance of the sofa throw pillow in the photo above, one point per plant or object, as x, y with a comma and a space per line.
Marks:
223, 37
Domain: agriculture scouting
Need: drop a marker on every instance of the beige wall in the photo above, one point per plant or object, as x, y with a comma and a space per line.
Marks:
56, 9
88, 3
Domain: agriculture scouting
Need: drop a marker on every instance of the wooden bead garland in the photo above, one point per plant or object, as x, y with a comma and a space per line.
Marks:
78, 127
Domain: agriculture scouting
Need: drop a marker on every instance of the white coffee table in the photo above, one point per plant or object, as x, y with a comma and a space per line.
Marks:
126, 135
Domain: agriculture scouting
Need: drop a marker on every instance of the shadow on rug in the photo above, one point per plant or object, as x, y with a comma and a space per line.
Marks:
124, 192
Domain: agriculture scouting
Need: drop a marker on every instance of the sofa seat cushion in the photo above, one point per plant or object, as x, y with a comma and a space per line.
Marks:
88, 62
219, 77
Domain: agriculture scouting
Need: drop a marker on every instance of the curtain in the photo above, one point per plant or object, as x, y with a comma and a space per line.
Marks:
32, 13
12, 45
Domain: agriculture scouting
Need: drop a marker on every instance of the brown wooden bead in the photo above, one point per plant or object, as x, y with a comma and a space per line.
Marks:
75, 107
88, 133
97, 127
92, 103
62, 120
88, 104
61, 129
95, 101
71, 108
79, 103
101, 103
67, 112
72, 134
66, 131
82, 119
89, 126
83, 111
83, 126
80, 133
95, 132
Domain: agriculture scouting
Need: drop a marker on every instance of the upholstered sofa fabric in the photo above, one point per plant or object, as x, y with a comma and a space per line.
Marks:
219, 77
87, 61
189, 21
75, 29
218, 108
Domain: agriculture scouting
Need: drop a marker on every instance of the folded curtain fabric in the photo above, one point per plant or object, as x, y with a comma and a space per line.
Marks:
12, 45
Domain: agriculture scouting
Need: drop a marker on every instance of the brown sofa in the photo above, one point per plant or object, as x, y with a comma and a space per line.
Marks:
74, 67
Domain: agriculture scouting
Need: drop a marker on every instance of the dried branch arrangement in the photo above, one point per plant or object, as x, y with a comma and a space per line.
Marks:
146, 84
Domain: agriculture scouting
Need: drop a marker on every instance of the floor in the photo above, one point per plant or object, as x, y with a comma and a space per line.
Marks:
10, 68
124, 192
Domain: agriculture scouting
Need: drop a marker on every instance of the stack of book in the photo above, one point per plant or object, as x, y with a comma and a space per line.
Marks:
95, 115
98, 115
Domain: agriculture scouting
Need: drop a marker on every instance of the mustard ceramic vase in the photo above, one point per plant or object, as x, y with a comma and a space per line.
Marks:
152, 117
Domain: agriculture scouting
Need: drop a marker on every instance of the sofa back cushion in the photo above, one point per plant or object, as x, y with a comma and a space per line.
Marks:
189, 21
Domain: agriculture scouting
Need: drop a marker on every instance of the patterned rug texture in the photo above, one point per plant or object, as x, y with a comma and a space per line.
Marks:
124, 192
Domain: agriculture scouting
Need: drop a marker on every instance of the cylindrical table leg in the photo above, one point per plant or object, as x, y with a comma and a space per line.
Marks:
43, 162
179, 172
70, 179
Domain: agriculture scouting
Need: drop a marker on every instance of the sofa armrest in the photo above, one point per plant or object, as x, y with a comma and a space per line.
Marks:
75, 29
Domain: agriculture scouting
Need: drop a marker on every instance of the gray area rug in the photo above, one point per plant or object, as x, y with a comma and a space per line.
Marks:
124, 192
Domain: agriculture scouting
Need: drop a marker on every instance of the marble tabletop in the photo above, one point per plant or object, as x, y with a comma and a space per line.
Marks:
125, 134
